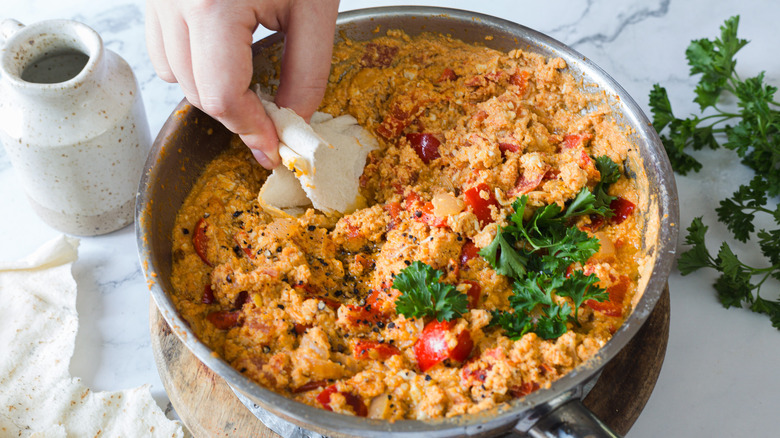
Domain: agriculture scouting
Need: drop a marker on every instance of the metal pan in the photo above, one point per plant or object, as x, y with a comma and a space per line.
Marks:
190, 139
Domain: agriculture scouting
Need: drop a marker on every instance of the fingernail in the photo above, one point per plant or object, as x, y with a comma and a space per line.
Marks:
262, 159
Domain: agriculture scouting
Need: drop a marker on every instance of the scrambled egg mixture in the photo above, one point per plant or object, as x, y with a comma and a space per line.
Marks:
305, 306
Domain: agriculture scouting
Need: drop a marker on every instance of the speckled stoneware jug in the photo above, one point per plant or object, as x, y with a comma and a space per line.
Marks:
73, 124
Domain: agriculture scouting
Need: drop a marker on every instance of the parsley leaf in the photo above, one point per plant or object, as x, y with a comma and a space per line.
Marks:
502, 255
423, 295
753, 132
536, 254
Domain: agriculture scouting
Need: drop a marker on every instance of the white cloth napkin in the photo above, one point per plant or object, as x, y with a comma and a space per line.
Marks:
38, 323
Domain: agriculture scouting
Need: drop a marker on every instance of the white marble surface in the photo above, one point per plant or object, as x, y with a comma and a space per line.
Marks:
719, 377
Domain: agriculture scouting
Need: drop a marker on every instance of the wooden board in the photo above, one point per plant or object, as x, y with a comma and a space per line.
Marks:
208, 407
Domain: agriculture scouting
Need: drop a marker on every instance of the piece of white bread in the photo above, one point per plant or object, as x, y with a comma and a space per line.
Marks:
321, 162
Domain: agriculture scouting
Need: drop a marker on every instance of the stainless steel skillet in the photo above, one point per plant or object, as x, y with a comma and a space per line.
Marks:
190, 139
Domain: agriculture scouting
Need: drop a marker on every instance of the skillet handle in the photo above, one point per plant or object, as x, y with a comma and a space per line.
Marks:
571, 420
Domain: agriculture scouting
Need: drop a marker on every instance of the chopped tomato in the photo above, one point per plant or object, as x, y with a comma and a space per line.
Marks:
474, 293
301, 328
365, 349
423, 212
224, 319
575, 140
378, 55
447, 75
622, 208
314, 292
468, 252
242, 240
394, 210
308, 386
521, 80
352, 400
400, 116
368, 314
523, 185
617, 293
426, 145
596, 221
511, 147
523, 389
479, 116
241, 299
431, 348
479, 205
208, 295
200, 240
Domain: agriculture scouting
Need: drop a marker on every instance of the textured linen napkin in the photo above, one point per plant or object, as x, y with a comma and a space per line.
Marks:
38, 323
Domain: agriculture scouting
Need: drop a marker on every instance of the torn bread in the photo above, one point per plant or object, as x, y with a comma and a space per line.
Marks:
321, 162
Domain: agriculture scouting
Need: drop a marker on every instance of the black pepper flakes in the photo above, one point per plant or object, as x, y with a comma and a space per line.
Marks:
237, 213
391, 325
428, 378
407, 262
185, 231
280, 306
380, 324
311, 228
418, 214
266, 349
279, 249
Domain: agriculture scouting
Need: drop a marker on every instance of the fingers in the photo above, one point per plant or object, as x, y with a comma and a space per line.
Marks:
220, 42
155, 46
308, 47
176, 40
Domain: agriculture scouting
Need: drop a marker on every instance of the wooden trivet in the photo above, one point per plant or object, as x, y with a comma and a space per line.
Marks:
208, 407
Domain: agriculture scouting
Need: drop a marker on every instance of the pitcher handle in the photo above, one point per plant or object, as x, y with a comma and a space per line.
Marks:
8, 27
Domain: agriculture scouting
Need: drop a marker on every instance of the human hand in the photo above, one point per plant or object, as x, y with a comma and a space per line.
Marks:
206, 46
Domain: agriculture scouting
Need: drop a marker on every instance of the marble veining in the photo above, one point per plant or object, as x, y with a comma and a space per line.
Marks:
717, 378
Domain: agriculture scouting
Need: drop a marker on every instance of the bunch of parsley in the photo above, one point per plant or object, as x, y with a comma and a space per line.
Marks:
536, 255
755, 137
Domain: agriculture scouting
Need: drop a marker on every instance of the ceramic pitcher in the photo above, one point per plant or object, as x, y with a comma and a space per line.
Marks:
73, 124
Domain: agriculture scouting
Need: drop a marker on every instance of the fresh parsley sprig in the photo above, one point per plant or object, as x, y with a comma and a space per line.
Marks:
756, 138
536, 254
734, 286
422, 294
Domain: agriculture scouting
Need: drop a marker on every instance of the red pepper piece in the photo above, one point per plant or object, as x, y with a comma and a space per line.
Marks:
426, 146
511, 147
431, 348
308, 386
479, 205
366, 349
622, 208
224, 319
447, 75
468, 252
617, 293
523, 389
200, 240
208, 295
352, 400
